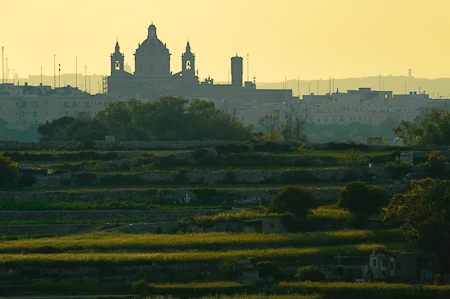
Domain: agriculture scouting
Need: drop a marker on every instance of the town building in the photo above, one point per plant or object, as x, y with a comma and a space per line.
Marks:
366, 106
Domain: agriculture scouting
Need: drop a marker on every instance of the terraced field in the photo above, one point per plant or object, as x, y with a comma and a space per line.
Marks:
169, 222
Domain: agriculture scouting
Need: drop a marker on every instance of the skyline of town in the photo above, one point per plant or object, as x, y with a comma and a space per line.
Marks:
346, 40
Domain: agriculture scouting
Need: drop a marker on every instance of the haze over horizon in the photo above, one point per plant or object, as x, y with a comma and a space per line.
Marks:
303, 39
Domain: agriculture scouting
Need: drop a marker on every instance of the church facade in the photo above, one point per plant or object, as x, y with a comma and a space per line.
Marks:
152, 77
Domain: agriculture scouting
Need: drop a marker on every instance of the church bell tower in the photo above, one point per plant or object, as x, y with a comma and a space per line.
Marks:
117, 59
188, 62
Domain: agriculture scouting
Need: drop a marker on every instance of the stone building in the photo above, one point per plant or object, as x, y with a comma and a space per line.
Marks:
153, 78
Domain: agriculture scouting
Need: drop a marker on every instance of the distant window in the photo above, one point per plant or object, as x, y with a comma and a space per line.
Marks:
117, 66
374, 263
271, 225
188, 65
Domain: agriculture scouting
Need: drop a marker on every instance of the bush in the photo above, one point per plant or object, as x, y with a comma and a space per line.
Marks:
352, 158
7, 171
362, 200
26, 180
297, 201
436, 163
229, 269
311, 273
397, 170
139, 287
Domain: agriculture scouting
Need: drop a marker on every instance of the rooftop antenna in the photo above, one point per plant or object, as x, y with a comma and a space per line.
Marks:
248, 68
54, 71
59, 67
3, 68
329, 85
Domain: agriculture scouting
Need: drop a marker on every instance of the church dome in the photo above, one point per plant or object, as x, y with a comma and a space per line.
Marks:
152, 45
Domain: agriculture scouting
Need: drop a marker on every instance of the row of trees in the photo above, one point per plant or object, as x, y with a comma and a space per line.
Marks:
169, 118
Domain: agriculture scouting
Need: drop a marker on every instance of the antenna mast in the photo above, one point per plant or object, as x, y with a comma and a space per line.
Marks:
3, 68
248, 67
54, 71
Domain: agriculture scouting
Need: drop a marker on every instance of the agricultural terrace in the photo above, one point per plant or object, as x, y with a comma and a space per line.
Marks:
93, 220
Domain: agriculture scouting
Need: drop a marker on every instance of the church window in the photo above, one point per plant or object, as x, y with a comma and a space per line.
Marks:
117, 66
188, 65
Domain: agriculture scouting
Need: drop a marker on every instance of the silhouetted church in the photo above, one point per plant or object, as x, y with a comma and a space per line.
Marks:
152, 77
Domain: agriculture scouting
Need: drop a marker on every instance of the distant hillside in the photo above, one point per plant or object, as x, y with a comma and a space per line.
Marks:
436, 88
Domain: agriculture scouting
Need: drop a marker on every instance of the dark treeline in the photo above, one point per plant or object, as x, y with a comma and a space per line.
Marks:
169, 118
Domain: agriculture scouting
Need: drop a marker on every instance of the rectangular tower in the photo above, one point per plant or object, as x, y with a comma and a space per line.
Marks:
236, 71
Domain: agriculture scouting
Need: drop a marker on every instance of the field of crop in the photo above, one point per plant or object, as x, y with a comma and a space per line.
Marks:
197, 241
203, 257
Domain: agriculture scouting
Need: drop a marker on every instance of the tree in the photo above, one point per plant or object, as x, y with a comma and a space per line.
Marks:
423, 214
436, 163
56, 129
288, 123
123, 119
362, 200
432, 129
171, 118
295, 201
84, 128
352, 158
7, 171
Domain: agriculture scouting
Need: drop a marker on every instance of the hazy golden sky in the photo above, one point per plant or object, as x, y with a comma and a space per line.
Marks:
310, 39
